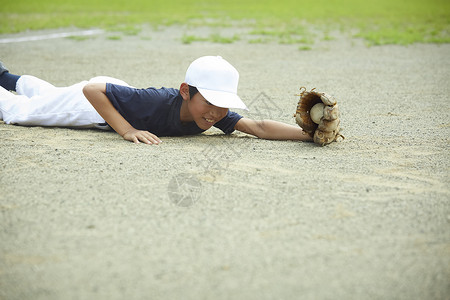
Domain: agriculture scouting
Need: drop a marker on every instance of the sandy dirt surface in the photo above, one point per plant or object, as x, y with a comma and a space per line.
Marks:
87, 215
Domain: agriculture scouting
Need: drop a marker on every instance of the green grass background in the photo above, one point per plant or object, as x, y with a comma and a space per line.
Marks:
379, 22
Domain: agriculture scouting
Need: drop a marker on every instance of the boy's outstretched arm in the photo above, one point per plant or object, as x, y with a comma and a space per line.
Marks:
96, 94
271, 130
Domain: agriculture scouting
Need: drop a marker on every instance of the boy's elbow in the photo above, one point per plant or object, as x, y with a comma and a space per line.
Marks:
90, 90
260, 129
264, 129
257, 128
87, 90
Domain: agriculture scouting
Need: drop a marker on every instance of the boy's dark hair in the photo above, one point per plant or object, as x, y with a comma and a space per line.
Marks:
192, 91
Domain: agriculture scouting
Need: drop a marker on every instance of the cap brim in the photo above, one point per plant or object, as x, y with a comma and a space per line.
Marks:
222, 99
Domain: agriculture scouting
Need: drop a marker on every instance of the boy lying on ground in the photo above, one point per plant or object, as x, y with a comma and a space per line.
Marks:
139, 115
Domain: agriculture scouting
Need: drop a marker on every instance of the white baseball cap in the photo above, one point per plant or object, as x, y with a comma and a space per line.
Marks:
216, 80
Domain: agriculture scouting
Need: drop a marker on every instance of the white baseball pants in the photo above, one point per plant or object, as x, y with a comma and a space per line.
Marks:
39, 103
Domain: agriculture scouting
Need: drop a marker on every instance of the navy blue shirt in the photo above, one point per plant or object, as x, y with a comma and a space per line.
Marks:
158, 111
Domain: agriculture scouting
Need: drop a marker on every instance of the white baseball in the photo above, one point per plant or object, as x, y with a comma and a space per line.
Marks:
316, 112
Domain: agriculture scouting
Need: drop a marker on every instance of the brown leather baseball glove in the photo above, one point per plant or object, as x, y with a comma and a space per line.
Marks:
318, 115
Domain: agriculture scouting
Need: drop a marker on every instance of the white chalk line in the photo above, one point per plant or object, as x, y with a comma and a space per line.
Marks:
50, 36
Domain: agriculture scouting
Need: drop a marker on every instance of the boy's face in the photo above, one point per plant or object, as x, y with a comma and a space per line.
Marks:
204, 113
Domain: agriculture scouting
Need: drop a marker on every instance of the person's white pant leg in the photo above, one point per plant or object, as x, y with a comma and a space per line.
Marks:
52, 106
31, 86
105, 79
7, 100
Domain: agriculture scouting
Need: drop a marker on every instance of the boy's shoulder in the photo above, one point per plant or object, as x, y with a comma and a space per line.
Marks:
153, 92
164, 90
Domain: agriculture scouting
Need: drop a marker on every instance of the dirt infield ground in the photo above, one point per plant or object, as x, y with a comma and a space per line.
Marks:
87, 215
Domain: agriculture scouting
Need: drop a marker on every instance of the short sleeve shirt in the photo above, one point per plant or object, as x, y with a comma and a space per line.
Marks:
158, 111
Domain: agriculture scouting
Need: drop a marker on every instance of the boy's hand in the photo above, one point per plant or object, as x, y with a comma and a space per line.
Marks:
137, 136
318, 115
